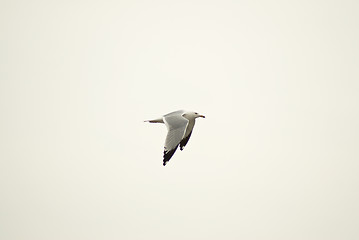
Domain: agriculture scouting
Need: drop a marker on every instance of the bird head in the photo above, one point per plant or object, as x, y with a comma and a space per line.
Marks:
194, 115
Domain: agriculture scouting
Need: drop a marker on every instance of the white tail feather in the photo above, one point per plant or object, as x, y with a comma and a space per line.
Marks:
159, 120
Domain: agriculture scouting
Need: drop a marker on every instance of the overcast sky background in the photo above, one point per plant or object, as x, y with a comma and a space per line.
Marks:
277, 156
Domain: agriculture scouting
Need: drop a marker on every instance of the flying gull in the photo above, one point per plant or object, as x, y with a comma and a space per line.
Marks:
179, 125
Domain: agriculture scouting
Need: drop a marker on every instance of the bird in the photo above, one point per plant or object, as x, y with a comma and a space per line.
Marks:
179, 125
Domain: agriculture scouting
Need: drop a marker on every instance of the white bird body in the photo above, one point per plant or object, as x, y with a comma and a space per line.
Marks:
179, 125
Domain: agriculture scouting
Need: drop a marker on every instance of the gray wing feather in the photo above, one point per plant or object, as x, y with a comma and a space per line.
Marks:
176, 125
187, 134
176, 113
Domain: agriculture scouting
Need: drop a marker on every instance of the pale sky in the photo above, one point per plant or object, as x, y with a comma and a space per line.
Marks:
277, 156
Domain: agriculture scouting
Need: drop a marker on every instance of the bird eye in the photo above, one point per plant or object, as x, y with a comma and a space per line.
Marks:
195, 113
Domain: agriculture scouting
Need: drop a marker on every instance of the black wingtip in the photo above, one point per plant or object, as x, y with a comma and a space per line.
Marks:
184, 141
167, 155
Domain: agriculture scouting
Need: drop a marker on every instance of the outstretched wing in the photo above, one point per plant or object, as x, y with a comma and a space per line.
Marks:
184, 141
176, 125
187, 135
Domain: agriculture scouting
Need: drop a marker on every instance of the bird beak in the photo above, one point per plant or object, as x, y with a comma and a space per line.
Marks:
202, 116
